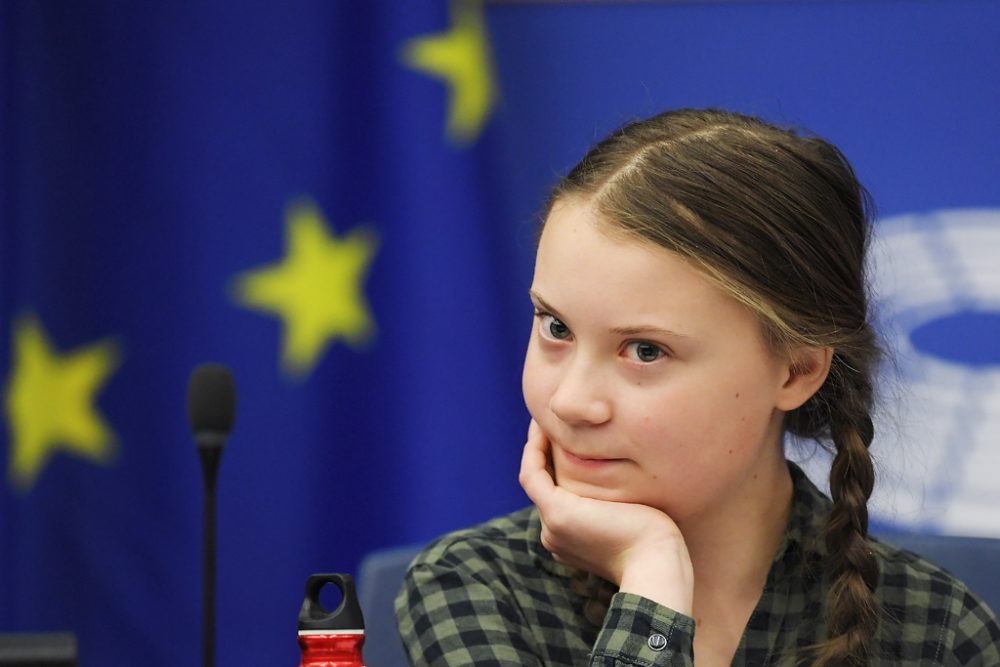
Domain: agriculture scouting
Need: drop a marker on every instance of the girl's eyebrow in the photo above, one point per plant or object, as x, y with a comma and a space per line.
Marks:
646, 330
618, 331
540, 302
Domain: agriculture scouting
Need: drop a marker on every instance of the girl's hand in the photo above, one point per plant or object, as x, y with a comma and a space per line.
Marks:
635, 546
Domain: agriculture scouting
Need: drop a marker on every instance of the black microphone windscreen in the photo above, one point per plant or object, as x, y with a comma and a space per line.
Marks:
211, 399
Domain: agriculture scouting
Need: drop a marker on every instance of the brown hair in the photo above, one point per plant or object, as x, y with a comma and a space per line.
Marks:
779, 220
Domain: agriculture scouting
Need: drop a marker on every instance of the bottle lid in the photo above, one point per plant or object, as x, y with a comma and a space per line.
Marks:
347, 615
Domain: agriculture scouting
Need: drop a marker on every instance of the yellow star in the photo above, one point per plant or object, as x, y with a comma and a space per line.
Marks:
316, 289
49, 402
461, 58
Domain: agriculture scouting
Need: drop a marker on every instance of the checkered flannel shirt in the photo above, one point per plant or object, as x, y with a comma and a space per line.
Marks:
491, 595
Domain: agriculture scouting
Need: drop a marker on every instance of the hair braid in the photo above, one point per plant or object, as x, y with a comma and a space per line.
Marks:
852, 610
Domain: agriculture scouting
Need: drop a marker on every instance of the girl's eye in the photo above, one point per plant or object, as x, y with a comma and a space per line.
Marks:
553, 328
644, 351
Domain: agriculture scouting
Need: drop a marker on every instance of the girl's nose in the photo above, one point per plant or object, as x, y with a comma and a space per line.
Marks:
581, 397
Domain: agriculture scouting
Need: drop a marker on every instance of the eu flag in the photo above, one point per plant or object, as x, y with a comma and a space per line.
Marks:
310, 194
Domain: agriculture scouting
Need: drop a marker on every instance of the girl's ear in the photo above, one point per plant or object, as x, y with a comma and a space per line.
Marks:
805, 371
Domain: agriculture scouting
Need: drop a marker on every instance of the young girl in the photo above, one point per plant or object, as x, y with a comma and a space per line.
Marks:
699, 291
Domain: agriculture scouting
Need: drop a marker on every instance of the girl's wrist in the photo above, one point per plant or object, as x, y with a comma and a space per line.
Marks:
664, 576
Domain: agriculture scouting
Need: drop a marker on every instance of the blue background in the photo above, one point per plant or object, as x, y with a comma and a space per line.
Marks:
148, 153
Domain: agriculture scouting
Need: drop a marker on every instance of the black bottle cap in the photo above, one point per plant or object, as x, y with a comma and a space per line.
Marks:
347, 615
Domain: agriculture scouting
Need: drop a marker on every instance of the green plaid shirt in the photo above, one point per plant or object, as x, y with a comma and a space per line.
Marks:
491, 595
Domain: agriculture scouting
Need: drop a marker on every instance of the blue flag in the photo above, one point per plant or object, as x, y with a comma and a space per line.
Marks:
312, 197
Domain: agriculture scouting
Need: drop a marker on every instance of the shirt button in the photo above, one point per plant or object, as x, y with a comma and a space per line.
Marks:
657, 642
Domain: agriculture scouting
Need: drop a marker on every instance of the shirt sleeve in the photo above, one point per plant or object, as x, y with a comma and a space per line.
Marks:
975, 640
638, 631
450, 615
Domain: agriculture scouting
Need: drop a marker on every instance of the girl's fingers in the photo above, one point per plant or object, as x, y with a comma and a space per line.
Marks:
534, 430
545, 447
535, 478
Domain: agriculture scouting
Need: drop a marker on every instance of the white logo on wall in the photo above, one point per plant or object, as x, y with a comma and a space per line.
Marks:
936, 280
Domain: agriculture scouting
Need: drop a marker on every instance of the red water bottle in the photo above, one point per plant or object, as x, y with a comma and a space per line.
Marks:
331, 638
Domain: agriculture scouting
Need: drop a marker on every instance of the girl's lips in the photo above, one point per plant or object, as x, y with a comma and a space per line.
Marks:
585, 462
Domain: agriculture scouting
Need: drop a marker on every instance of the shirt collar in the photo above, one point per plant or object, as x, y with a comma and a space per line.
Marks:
802, 543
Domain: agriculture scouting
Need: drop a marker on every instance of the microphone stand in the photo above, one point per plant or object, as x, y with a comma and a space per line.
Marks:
210, 453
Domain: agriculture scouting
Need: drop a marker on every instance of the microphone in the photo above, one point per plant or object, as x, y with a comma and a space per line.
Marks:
211, 409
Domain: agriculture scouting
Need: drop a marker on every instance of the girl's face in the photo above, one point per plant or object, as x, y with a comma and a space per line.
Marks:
652, 384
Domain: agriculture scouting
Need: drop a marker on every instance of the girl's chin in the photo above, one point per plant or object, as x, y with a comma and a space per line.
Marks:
610, 493
594, 491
